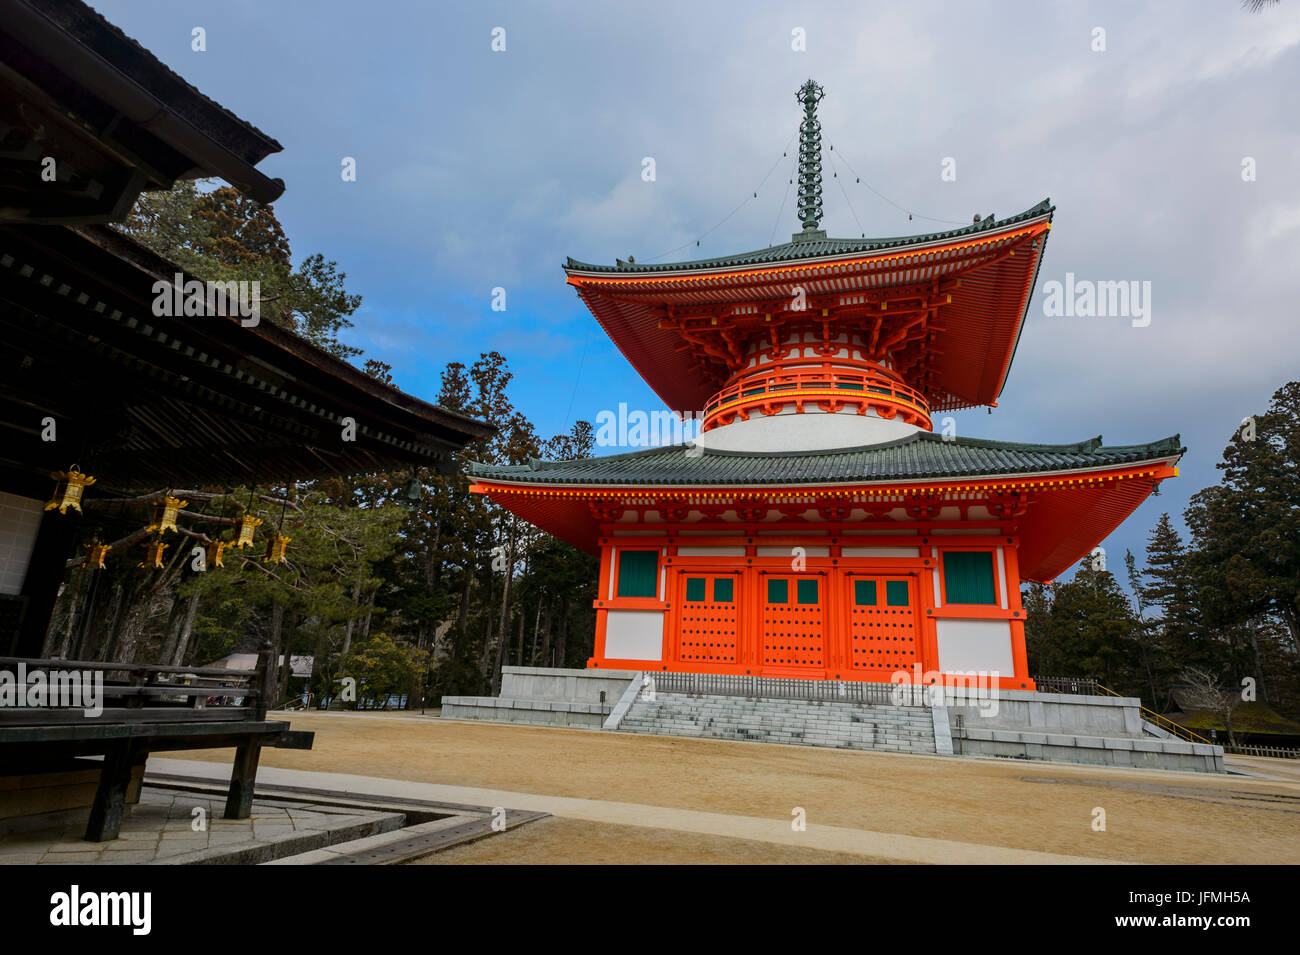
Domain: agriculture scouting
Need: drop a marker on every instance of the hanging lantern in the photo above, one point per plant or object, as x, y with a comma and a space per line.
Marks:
246, 525
275, 545
153, 551
165, 514
213, 552
410, 497
67, 493
95, 554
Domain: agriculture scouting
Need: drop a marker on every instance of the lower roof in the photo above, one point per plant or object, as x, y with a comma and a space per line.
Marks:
1064, 499
920, 456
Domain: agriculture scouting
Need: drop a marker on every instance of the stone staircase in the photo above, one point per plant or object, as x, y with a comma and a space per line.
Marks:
863, 726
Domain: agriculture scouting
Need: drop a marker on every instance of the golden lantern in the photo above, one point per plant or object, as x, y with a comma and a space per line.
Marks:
246, 525
67, 493
95, 554
275, 545
165, 515
213, 552
153, 551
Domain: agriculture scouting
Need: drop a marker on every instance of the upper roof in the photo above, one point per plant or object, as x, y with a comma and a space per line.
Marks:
919, 456
813, 247
945, 309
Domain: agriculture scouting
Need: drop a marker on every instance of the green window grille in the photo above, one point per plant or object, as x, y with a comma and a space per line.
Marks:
896, 593
864, 593
694, 588
968, 577
778, 591
723, 590
806, 591
638, 573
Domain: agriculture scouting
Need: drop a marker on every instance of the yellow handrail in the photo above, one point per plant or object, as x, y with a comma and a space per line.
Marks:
1182, 732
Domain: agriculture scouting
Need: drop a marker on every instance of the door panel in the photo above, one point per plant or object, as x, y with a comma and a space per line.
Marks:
883, 631
793, 621
707, 632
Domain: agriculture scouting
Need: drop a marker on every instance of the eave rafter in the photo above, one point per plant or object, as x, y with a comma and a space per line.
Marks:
897, 319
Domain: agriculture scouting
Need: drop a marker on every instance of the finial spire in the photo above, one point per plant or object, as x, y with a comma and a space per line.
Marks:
810, 156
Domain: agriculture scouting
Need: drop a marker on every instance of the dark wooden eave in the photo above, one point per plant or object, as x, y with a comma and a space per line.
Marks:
115, 120
161, 401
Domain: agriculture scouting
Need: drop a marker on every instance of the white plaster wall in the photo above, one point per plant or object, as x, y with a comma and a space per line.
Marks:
20, 519
634, 635
814, 430
881, 552
975, 645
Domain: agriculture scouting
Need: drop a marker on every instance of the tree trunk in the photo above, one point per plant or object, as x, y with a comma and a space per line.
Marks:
520, 639
1259, 669
370, 610
277, 624
546, 637
187, 627
352, 621
105, 647
504, 622
564, 636
537, 627
172, 632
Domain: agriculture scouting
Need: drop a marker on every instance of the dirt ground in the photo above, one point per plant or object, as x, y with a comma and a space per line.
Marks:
557, 841
1151, 816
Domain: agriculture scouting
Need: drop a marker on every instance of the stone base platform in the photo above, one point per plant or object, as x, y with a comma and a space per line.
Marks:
546, 696
1017, 724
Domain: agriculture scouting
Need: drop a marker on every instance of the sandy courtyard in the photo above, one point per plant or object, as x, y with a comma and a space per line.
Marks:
627, 791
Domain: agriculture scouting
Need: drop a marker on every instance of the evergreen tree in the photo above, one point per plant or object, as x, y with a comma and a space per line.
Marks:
1246, 530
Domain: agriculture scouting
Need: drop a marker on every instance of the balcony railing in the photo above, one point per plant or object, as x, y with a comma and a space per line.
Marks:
860, 386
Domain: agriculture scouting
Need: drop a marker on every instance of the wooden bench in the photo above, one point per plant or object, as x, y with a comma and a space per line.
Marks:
145, 716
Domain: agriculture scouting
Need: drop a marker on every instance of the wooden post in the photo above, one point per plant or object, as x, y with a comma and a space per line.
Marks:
243, 779
243, 774
110, 798
264, 680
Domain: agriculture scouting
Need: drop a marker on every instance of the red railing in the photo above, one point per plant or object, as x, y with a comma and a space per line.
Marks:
841, 380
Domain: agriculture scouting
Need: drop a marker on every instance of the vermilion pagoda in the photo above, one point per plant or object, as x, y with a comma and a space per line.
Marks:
819, 528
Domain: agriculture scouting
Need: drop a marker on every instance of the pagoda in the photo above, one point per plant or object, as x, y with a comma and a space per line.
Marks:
819, 528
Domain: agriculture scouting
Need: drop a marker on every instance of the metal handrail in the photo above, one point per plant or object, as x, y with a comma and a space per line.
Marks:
1079, 686
1166, 724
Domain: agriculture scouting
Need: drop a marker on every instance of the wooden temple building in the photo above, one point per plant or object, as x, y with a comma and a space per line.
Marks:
93, 380
137, 399
819, 528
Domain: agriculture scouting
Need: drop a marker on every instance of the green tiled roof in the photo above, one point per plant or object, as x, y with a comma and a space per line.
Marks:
817, 247
923, 455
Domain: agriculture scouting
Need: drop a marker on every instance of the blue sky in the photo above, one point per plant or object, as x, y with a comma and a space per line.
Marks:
479, 169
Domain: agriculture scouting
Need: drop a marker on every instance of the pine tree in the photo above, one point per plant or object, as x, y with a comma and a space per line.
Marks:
1166, 586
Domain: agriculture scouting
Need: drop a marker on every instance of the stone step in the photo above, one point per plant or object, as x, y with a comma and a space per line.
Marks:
837, 725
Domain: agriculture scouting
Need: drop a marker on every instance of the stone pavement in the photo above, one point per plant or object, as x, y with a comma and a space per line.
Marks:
159, 830
832, 838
